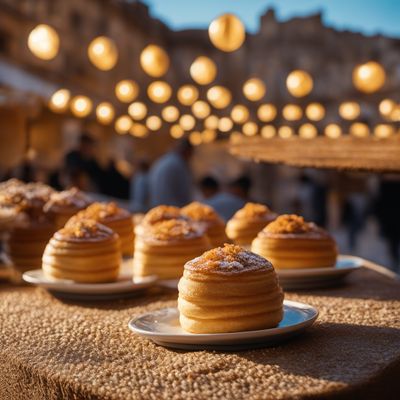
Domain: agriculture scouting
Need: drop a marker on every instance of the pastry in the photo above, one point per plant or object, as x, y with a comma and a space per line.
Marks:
63, 205
229, 289
156, 215
83, 251
291, 242
117, 219
163, 248
214, 225
244, 226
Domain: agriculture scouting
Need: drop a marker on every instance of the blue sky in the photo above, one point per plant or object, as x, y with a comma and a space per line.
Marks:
367, 16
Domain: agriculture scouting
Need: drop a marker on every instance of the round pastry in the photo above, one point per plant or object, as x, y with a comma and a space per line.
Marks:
117, 219
244, 226
156, 215
83, 251
63, 205
163, 248
229, 289
291, 242
214, 225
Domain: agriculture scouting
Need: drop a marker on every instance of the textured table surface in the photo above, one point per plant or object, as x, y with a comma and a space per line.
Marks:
51, 349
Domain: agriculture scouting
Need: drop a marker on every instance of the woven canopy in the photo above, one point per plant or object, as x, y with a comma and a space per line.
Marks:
347, 152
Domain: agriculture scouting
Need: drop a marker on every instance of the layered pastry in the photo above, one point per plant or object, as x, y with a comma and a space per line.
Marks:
117, 219
214, 225
291, 242
83, 251
156, 215
229, 289
244, 226
63, 205
163, 248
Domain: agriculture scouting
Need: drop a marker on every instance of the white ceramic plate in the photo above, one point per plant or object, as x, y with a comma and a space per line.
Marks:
123, 286
162, 327
312, 278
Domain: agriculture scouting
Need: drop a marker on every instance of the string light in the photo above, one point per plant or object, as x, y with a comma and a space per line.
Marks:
203, 70
139, 130
254, 89
386, 107
211, 122
333, 131
383, 131
126, 90
59, 100
250, 128
308, 131
299, 83
123, 124
159, 92
315, 111
292, 112
240, 114
201, 109
137, 110
266, 112
187, 122
369, 77
349, 110
195, 138
359, 129
44, 42
227, 32
103, 53
176, 131
219, 96
285, 132
225, 124
154, 61
208, 135
170, 113
187, 95
153, 122
105, 113
268, 131
81, 106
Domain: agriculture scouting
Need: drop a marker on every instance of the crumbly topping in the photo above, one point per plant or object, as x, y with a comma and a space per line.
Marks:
84, 229
230, 259
102, 212
161, 213
200, 212
174, 229
13, 182
72, 198
290, 223
252, 211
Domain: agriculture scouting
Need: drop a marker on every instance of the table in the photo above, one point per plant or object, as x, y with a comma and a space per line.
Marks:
52, 349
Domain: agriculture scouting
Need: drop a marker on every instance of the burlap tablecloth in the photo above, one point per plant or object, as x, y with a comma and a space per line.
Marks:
56, 350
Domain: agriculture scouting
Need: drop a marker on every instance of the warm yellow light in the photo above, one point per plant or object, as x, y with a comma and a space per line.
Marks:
59, 100
153, 122
227, 32
225, 124
81, 106
159, 91
187, 122
299, 83
137, 110
170, 113
126, 90
240, 114
235, 137
138, 130
349, 110
386, 107
123, 124
285, 132
315, 111
208, 135
254, 89
201, 109
383, 131
195, 138
105, 112
211, 122
103, 53
395, 113
154, 61
203, 70
359, 129
176, 131
292, 112
219, 96
187, 94
268, 131
250, 128
308, 131
266, 112
44, 42
333, 131
369, 77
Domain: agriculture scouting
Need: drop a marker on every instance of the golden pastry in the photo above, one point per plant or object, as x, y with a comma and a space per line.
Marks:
215, 226
229, 289
156, 215
291, 242
116, 218
83, 251
244, 226
163, 248
63, 205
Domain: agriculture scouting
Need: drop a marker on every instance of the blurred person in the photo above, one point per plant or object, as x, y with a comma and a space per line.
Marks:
227, 202
387, 210
139, 188
209, 187
170, 180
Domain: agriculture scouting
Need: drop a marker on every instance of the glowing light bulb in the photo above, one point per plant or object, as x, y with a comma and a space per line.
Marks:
103, 53
369, 77
254, 89
123, 124
333, 131
170, 113
187, 95
105, 113
203, 70
81, 106
59, 100
299, 83
126, 90
240, 114
349, 110
315, 111
292, 112
159, 91
227, 32
137, 110
201, 109
44, 42
219, 96
266, 112
154, 61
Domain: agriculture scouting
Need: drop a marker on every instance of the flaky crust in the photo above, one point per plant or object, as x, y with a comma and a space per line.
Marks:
251, 297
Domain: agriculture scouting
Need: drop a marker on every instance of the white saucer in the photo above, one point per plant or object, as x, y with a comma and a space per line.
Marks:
124, 286
162, 327
312, 278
